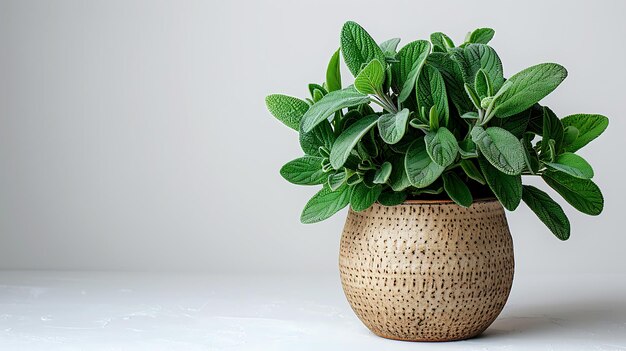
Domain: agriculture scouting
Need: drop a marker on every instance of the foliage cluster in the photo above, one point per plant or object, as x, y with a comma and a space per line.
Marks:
432, 121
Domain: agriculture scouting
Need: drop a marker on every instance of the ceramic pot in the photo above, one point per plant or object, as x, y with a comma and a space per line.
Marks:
427, 270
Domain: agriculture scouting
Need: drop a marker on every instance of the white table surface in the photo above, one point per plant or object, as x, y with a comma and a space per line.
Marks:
135, 311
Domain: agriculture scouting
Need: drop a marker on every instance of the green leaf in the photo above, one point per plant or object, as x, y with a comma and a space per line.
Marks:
441, 146
335, 181
482, 84
398, 179
321, 90
348, 140
330, 104
457, 190
583, 194
411, 58
515, 124
420, 168
321, 136
471, 93
363, 197
433, 119
370, 79
325, 204
507, 188
467, 149
530, 154
392, 126
481, 35
441, 40
480, 56
472, 171
453, 77
333, 73
501, 148
552, 130
354, 179
317, 95
573, 165
528, 87
589, 127
391, 198
570, 134
548, 211
287, 109
431, 91
358, 47
390, 46
383, 173
486, 102
305, 170
369, 144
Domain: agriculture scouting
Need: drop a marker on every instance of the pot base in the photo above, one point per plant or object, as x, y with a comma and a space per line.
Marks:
390, 337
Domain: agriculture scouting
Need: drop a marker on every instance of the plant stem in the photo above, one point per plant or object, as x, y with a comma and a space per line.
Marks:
379, 103
384, 104
389, 102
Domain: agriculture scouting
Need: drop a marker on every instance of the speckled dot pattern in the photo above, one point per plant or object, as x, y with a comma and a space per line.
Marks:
427, 271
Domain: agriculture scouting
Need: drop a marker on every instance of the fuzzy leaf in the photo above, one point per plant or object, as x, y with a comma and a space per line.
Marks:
457, 190
390, 46
483, 86
431, 91
589, 127
363, 197
573, 165
329, 104
467, 149
528, 87
552, 130
411, 59
583, 194
441, 40
472, 171
398, 179
335, 181
325, 204
501, 148
507, 188
333, 73
441, 146
320, 90
305, 170
480, 56
287, 109
358, 47
370, 79
383, 173
321, 135
548, 211
481, 35
348, 139
391, 198
515, 124
392, 126
420, 168
453, 77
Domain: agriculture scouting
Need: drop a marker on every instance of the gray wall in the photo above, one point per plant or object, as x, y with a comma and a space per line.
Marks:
133, 134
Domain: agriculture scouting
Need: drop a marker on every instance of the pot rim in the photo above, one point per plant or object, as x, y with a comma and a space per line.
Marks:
442, 201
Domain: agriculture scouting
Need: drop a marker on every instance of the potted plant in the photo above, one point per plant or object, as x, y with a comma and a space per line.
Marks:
427, 147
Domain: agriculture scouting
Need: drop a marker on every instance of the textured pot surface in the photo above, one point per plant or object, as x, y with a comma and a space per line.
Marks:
427, 271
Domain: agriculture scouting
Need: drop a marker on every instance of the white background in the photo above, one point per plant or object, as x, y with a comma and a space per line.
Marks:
134, 136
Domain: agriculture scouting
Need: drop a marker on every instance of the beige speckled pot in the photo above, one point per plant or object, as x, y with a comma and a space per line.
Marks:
427, 270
